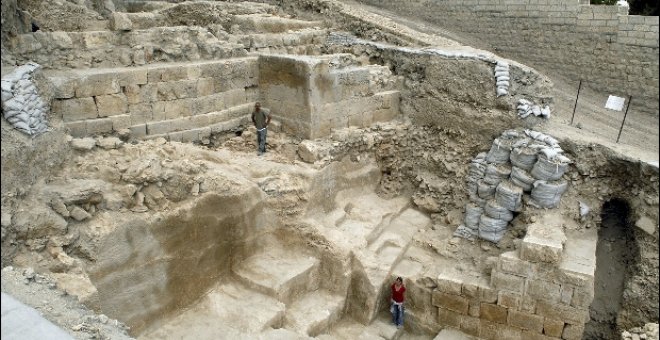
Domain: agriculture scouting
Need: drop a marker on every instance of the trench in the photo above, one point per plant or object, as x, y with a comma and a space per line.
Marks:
615, 258
226, 267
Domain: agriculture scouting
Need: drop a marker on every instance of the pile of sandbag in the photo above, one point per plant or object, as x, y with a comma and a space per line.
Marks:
527, 108
22, 106
518, 164
502, 79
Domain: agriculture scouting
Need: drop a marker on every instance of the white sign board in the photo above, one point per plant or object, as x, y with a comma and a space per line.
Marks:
615, 103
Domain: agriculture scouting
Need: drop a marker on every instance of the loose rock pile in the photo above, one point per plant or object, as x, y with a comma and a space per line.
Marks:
22, 104
517, 164
649, 332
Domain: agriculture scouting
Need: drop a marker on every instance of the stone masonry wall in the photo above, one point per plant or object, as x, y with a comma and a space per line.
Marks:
313, 95
182, 102
603, 45
540, 291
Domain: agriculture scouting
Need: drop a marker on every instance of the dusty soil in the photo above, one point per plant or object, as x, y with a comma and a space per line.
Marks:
41, 292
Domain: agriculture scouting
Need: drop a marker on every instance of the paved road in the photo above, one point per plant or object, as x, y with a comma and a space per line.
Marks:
25, 323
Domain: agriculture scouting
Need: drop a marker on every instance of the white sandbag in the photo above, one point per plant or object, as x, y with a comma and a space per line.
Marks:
499, 74
523, 157
503, 78
509, 196
496, 173
545, 112
499, 152
491, 229
502, 92
477, 200
502, 83
473, 213
466, 233
522, 179
548, 170
536, 110
496, 211
485, 190
548, 194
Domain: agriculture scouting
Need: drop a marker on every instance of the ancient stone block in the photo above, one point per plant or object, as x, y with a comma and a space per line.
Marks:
488, 295
448, 283
120, 22
529, 335
545, 290
172, 90
494, 313
451, 302
75, 109
132, 76
565, 313
205, 87
111, 105
572, 332
582, 297
449, 318
170, 73
179, 108
508, 282
566, 294
511, 263
138, 131
98, 126
543, 243
509, 299
121, 122
553, 327
470, 325
77, 129
161, 127
190, 136
97, 85
526, 320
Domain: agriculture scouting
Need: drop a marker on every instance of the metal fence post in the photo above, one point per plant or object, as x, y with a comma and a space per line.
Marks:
576, 101
624, 119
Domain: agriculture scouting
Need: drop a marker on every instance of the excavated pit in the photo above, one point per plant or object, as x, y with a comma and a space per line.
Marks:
616, 254
167, 222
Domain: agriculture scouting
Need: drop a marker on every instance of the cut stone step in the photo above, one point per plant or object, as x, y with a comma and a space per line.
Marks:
314, 313
279, 274
452, 334
223, 314
382, 327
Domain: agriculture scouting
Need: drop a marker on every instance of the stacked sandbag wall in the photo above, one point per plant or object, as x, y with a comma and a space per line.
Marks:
522, 168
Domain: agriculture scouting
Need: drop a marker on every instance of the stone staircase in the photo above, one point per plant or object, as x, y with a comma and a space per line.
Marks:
376, 232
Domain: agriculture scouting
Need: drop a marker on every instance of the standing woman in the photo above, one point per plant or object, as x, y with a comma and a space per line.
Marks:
397, 302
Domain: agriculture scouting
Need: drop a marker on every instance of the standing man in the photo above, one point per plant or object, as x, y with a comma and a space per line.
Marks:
261, 119
398, 289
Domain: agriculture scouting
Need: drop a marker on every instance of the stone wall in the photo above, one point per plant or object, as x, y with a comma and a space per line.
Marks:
313, 95
610, 50
540, 291
182, 102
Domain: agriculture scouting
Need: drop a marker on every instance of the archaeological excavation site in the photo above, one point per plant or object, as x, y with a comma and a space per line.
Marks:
462, 145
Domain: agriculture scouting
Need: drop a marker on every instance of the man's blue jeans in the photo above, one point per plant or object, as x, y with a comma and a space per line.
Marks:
261, 140
397, 314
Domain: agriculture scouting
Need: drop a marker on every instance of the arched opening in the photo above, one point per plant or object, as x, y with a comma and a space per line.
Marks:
615, 256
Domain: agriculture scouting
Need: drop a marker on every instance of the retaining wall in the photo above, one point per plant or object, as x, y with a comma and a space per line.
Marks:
182, 102
603, 45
